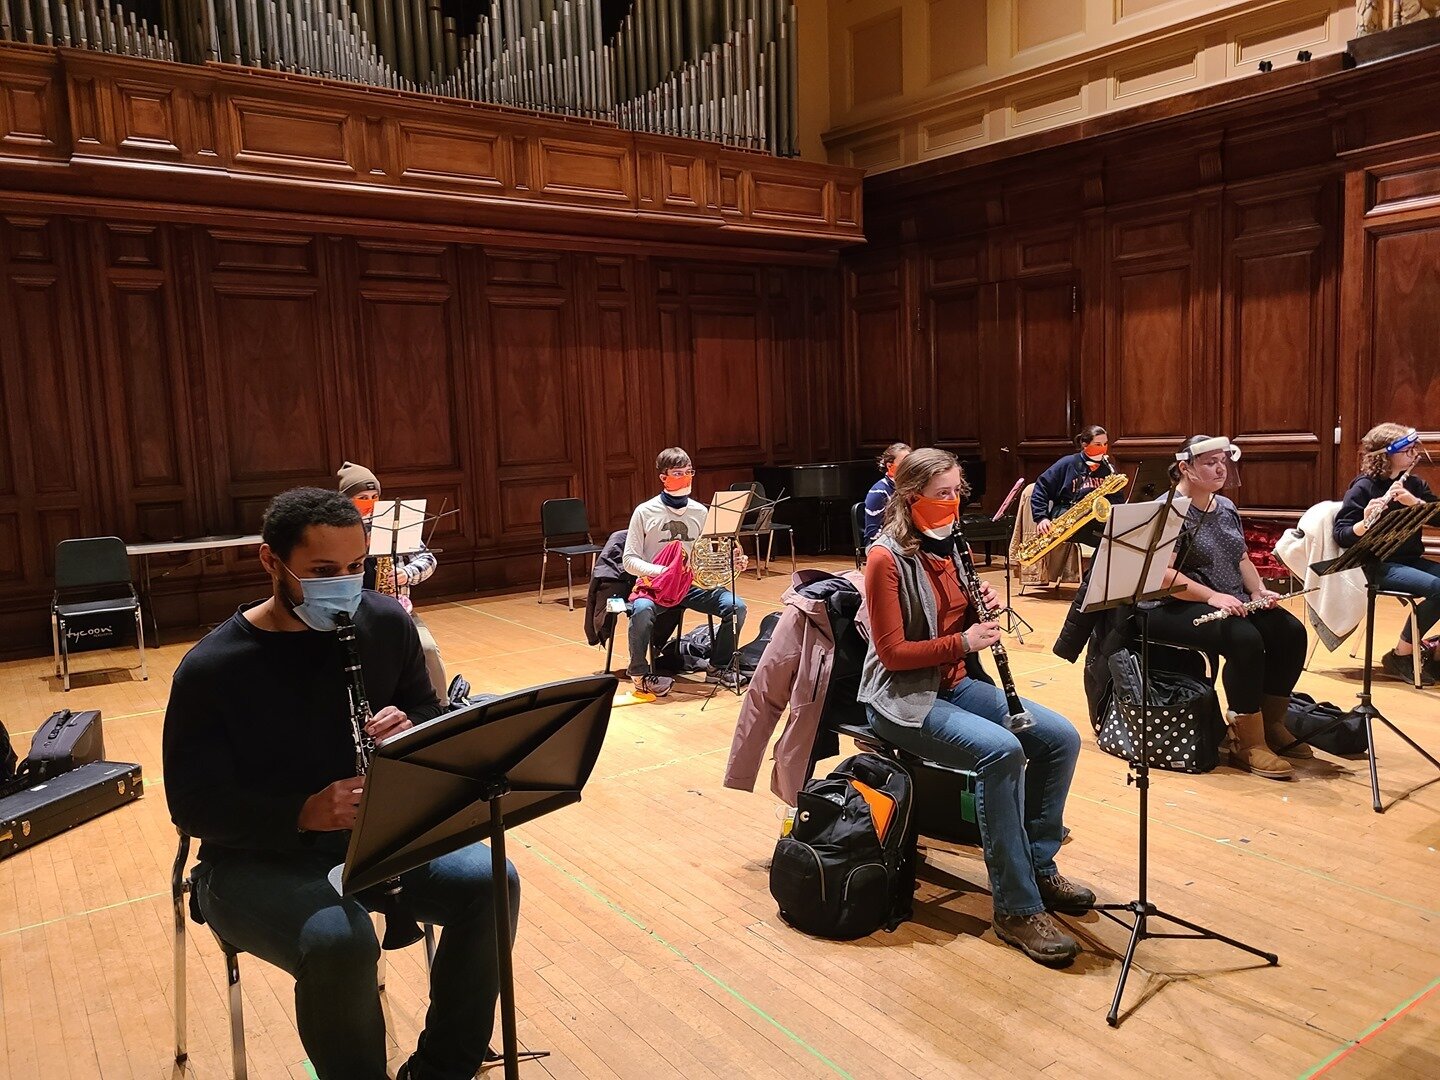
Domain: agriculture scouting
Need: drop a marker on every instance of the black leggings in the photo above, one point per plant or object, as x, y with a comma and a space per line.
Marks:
1263, 653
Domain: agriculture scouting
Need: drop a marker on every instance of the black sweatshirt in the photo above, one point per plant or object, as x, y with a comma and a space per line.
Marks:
258, 721
1365, 488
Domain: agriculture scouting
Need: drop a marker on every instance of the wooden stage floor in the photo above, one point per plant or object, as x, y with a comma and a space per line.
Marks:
649, 946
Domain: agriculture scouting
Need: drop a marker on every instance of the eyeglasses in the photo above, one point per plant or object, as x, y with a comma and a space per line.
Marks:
679, 473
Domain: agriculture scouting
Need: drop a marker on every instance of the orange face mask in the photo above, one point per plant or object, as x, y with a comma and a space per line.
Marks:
366, 503
678, 485
935, 517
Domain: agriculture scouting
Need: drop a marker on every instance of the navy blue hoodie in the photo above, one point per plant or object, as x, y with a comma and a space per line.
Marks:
1063, 484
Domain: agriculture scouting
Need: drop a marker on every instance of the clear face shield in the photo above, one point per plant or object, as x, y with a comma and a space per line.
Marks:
1211, 465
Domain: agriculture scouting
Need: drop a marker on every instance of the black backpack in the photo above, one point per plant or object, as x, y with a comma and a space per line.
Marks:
833, 876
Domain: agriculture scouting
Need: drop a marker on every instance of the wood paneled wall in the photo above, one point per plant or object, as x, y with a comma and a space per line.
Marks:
165, 380
1262, 267
215, 285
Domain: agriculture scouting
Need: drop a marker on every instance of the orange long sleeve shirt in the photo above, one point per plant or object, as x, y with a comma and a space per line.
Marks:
887, 626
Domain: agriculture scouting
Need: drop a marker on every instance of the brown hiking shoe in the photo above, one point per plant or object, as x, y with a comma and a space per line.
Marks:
1037, 937
1063, 895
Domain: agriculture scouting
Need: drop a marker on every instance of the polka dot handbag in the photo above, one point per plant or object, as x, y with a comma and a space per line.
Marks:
1183, 730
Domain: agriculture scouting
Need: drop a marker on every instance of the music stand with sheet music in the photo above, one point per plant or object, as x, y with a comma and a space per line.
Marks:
723, 521
468, 775
1129, 567
1380, 541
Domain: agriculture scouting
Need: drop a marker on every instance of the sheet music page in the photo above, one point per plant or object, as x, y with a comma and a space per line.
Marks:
410, 527
382, 528
726, 512
1121, 557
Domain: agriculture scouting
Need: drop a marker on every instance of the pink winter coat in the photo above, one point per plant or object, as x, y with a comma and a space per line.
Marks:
794, 672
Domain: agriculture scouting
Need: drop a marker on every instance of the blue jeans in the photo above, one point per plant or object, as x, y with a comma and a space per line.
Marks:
1020, 809
1416, 576
650, 624
281, 908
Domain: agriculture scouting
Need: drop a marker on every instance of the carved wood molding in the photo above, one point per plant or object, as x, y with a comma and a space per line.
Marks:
220, 136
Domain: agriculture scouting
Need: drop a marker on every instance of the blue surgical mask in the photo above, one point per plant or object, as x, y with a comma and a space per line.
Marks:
325, 598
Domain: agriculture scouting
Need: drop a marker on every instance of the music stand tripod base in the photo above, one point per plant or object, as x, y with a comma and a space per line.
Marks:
1380, 541
1136, 546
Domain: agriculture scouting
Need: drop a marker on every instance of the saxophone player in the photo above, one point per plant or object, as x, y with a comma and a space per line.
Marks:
920, 697
1388, 456
1063, 484
394, 577
260, 763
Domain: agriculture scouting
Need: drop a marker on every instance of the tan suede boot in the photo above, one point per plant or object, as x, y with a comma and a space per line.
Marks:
1250, 751
1273, 708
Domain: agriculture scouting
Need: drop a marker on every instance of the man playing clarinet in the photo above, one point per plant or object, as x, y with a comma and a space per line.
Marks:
259, 762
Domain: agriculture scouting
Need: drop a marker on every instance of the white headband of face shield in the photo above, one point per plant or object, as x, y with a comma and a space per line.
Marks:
1207, 445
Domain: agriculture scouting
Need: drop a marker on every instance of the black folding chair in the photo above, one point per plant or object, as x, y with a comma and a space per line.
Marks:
565, 519
857, 533
92, 579
759, 523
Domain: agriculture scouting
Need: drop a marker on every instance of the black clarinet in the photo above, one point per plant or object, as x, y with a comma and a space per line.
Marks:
400, 929
1020, 718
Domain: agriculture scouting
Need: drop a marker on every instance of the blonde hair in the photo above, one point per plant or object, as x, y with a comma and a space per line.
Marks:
911, 479
1374, 461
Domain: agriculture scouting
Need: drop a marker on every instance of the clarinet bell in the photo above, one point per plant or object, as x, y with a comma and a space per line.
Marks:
1021, 721
400, 932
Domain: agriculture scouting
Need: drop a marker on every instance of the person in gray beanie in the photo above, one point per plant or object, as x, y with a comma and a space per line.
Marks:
394, 576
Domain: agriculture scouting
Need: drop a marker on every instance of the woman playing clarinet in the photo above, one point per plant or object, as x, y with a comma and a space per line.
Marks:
919, 697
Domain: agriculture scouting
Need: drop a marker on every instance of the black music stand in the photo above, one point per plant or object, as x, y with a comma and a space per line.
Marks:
1380, 541
1129, 567
467, 775
1012, 619
1152, 480
722, 510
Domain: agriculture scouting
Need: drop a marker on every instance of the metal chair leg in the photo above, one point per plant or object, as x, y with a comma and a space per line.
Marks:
790, 535
569, 583
55, 640
237, 1016
181, 1052
64, 656
429, 929
140, 637
1416, 652
544, 558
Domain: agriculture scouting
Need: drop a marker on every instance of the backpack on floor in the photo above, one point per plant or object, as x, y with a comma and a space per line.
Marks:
847, 867
1307, 716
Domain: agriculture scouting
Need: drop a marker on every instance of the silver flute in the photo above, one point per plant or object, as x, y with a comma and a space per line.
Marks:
1250, 606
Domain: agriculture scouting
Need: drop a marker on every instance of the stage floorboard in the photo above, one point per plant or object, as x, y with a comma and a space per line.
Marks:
649, 945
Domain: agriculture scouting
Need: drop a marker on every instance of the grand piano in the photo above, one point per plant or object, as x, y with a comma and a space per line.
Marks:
821, 494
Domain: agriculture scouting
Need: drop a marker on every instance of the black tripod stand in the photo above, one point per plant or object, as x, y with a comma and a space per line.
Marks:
1381, 541
1141, 909
1126, 571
